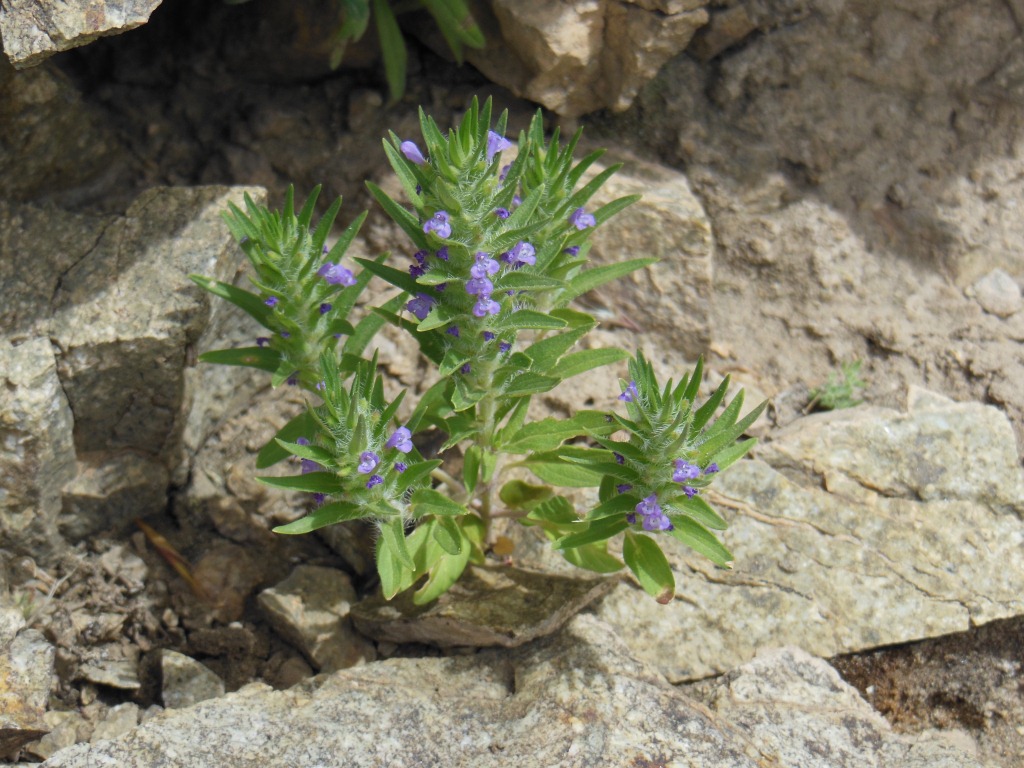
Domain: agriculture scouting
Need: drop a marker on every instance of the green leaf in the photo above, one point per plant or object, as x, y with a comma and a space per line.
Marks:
416, 472
392, 47
596, 276
528, 318
329, 514
518, 494
271, 453
608, 210
403, 218
646, 560
702, 512
593, 557
700, 540
705, 412
396, 277
311, 452
312, 482
402, 169
427, 501
598, 530
558, 472
547, 434
447, 534
394, 577
545, 353
263, 358
392, 532
249, 302
471, 467
616, 505
576, 363
729, 456
443, 569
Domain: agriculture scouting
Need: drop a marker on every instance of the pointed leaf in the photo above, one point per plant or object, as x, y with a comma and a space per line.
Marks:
329, 514
700, 540
646, 560
263, 358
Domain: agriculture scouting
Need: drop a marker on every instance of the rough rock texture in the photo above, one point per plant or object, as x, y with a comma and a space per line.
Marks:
26, 673
186, 681
923, 508
56, 147
576, 58
310, 609
487, 606
34, 30
36, 452
576, 699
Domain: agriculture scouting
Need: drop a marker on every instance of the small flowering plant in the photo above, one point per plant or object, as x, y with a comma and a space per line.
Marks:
499, 255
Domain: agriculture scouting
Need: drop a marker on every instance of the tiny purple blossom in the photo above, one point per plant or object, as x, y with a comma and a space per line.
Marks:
374, 480
319, 498
325, 308
517, 200
484, 265
308, 465
421, 256
292, 380
272, 301
285, 335
711, 469
302, 441
416, 270
321, 386
654, 518
442, 253
502, 213
400, 467
685, 471
453, 331
504, 172
326, 250
522, 253
420, 306
496, 143
262, 341
368, 460
504, 346
401, 439
335, 274
572, 250
488, 336
581, 219
689, 491
630, 394
412, 152
479, 286
439, 225
619, 458
623, 487
466, 368
486, 306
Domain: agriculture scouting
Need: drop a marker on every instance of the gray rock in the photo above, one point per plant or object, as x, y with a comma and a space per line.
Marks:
37, 456
65, 728
116, 722
575, 699
122, 674
26, 673
578, 58
186, 681
998, 294
673, 297
33, 30
916, 533
487, 606
310, 609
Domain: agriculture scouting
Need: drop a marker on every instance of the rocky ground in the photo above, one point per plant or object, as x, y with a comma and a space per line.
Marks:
813, 204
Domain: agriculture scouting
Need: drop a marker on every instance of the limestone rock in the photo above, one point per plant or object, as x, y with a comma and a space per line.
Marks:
998, 294
26, 673
917, 533
36, 453
576, 58
575, 699
487, 606
310, 609
33, 30
186, 681
116, 722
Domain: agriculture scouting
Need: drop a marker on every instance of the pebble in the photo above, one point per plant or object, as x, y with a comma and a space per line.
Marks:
998, 294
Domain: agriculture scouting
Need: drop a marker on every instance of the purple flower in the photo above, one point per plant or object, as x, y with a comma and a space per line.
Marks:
453, 331
630, 394
262, 341
401, 439
374, 480
416, 270
325, 308
272, 301
302, 441
466, 368
623, 487
442, 253
581, 219
517, 200
572, 250
504, 172
335, 274
319, 498
496, 144
440, 287
504, 346
421, 256
522, 253
292, 380
479, 286
412, 152
400, 467
439, 225
690, 491
308, 465
488, 336
502, 213
285, 335
619, 458
485, 305
711, 469
631, 517
484, 265
368, 460
420, 306
321, 386
654, 518
326, 250
685, 471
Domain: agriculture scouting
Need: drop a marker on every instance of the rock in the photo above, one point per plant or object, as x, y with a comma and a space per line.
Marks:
57, 149
120, 673
109, 490
116, 722
310, 609
786, 697
37, 455
577, 698
65, 728
998, 294
916, 533
228, 573
487, 606
26, 673
580, 57
672, 298
186, 681
33, 30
